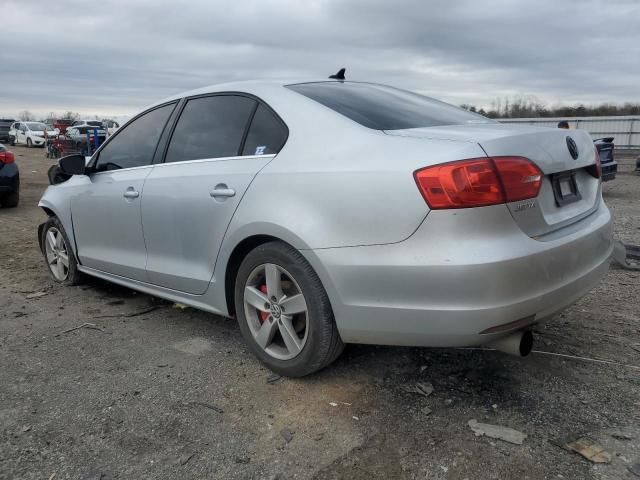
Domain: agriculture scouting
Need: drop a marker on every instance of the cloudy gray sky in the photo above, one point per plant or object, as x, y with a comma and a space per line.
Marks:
114, 56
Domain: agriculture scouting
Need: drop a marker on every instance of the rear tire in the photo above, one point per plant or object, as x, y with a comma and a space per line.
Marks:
311, 317
10, 200
58, 255
12, 141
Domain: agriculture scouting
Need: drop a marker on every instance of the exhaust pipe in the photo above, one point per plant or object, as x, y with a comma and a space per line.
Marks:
518, 343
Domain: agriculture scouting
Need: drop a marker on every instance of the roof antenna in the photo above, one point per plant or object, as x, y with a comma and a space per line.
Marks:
339, 75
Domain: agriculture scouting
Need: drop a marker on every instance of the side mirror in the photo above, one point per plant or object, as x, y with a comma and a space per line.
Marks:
72, 164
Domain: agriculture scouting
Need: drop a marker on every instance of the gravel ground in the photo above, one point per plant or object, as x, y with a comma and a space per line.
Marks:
157, 392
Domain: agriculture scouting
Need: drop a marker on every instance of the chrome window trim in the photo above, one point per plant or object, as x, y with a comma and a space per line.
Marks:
199, 160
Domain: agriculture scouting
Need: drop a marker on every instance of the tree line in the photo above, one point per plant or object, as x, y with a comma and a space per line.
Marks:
523, 107
27, 116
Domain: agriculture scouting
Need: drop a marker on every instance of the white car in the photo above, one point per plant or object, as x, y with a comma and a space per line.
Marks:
111, 126
30, 133
91, 123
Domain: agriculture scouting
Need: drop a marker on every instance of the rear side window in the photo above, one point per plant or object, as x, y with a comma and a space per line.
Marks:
210, 127
135, 144
267, 134
385, 108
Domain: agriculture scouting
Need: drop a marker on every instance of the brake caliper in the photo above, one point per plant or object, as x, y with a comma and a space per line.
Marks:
263, 315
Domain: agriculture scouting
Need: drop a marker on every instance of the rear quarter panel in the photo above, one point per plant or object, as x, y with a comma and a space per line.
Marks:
336, 184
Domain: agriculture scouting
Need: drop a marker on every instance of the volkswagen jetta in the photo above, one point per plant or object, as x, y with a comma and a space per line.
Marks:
332, 212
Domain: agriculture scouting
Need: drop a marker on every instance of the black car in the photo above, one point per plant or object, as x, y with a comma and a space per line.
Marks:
605, 149
5, 126
9, 179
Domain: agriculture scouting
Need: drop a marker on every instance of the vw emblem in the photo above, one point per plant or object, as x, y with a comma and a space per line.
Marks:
275, 310
573, 148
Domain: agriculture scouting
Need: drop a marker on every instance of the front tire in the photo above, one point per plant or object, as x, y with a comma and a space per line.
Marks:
12, 141
284, 312
58, 254
29, 143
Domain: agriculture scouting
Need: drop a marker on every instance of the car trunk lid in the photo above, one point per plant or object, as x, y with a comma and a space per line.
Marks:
568, 193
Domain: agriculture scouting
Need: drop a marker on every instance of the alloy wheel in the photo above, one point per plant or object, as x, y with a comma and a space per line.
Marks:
276, 311
57, 254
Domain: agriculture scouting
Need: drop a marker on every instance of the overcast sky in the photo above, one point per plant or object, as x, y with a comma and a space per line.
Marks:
112, 57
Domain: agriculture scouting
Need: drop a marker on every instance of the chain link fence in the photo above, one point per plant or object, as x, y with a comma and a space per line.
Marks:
624, 129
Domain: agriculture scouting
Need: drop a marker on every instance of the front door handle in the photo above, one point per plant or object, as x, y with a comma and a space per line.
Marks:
131, 193
222, 190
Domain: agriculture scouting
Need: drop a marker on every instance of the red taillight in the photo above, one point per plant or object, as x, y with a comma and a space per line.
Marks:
6, 157
596, 169
521, 178
479, 182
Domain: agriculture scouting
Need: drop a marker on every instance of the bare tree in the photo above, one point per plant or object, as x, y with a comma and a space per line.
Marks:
26, 116
529, 106
69, 115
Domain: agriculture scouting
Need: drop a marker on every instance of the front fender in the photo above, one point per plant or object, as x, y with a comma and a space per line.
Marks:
56, 202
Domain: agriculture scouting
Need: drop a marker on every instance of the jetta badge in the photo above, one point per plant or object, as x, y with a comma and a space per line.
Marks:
573, 148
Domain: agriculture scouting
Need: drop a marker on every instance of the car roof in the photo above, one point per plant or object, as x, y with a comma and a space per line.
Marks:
258, 88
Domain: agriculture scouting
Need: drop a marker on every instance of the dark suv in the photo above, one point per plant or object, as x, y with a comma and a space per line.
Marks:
5, 126
605, 149
9, 179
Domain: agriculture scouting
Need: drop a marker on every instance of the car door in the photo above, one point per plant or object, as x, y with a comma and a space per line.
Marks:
191, 197
106, 213
22, 134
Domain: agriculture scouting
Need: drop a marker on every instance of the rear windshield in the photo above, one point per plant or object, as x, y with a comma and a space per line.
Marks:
94, 123
385, 108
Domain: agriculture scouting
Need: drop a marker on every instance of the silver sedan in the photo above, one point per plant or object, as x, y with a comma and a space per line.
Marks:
331, 212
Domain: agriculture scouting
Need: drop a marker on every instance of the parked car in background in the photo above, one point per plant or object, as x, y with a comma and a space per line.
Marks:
91, 123
29, 133
111, 126
332, 212
59, 124
9, 179
605, 147
5, 127
78, 135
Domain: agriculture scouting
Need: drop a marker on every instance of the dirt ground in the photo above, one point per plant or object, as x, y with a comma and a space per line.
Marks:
157, 392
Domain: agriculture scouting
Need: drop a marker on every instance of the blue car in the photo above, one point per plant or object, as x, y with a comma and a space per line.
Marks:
605, 149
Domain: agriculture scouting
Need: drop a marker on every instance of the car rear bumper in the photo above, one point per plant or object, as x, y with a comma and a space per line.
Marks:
455, 278
9, 178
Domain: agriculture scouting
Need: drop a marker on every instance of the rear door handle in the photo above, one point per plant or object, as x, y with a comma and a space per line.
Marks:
222, 190
131, 193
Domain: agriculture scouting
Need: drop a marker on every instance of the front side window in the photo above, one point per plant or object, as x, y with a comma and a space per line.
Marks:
210, 127
135, 144
267, 134
385, 108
